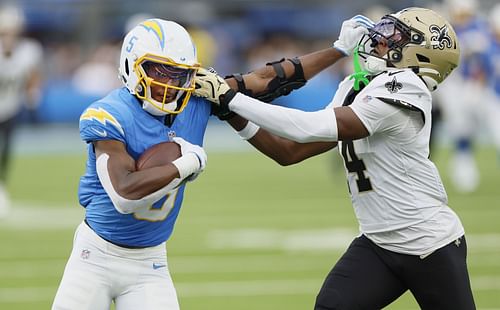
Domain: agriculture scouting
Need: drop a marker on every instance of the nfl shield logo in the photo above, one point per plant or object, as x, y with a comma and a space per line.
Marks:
171, 134
85, 254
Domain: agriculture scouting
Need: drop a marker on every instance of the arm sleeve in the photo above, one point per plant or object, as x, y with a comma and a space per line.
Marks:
289, 123
121, 204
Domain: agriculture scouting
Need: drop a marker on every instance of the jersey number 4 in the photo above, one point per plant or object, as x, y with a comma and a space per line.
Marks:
355, 165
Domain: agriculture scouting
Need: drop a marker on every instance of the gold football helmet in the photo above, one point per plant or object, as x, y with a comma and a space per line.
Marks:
418, 39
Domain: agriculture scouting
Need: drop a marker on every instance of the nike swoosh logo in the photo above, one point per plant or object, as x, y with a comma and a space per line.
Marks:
102, 133
394, 72
158, 266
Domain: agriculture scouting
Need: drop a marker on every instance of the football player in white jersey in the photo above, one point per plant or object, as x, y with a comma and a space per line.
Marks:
20, 58
380, 118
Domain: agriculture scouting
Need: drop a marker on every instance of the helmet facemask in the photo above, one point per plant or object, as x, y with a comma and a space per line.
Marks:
395, 35
162, 83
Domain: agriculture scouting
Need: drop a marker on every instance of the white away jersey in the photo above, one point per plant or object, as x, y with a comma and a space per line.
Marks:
396, 191
16, 69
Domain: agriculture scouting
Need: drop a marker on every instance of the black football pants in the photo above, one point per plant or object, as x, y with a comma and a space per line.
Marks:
369, 277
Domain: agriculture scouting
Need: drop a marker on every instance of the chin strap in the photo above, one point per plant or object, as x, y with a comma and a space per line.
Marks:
359, 75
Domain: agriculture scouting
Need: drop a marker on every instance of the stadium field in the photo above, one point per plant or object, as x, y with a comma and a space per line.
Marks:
251, 234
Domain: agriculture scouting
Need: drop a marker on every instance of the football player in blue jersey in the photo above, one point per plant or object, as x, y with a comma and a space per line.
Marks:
493, 114
119, 250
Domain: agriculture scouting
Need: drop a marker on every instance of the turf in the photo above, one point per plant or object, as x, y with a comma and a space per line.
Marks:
251, 234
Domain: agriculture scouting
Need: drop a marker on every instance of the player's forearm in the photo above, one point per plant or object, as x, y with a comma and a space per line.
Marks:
283, 151
139, 184
135, 190
286, 152
257, 81
316, 62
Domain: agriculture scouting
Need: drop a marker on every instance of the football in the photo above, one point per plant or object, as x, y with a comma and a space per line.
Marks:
158, 155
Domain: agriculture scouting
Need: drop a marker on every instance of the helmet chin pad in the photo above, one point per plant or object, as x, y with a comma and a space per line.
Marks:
152, 109
374, 64
157, 108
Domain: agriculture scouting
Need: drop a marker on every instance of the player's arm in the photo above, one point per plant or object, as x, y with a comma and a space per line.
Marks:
130, 189
278, 147
279, 78
128, 182
327, 125
284, 151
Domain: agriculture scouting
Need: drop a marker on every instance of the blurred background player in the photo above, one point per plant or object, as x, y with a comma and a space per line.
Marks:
494, 77
465, 97
20, 78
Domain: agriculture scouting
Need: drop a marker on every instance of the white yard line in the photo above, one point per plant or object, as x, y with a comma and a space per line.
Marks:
314, 239
26, 294
282, 287
28, 216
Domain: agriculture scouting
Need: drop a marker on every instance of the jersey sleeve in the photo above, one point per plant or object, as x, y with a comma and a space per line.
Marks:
384, 104
101, 123
376, 115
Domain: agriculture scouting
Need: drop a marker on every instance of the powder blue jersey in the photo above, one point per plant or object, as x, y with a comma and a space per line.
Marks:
494, 66
474, 38
119, 116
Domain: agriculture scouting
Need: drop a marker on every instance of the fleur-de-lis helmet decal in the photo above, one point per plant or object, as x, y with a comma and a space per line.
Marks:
441, 36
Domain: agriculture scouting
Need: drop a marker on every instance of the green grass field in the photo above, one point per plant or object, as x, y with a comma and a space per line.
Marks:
251, 234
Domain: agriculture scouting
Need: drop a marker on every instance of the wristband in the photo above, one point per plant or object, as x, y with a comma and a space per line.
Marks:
187, 165
249, 131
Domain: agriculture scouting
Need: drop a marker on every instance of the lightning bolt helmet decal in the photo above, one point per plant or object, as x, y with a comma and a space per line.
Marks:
155, 27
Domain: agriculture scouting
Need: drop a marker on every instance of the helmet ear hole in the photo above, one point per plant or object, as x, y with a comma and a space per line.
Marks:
127, 72
422, 58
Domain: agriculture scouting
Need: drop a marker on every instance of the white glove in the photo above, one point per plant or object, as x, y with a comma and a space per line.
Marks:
193, 159
209, 85
351, 32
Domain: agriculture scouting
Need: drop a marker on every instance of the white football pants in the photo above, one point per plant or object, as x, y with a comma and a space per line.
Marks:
99, 272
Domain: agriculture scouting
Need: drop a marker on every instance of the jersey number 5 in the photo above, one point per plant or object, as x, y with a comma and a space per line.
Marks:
355, 165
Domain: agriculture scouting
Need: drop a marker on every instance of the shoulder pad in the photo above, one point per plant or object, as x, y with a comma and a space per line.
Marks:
402, 88
100, 123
